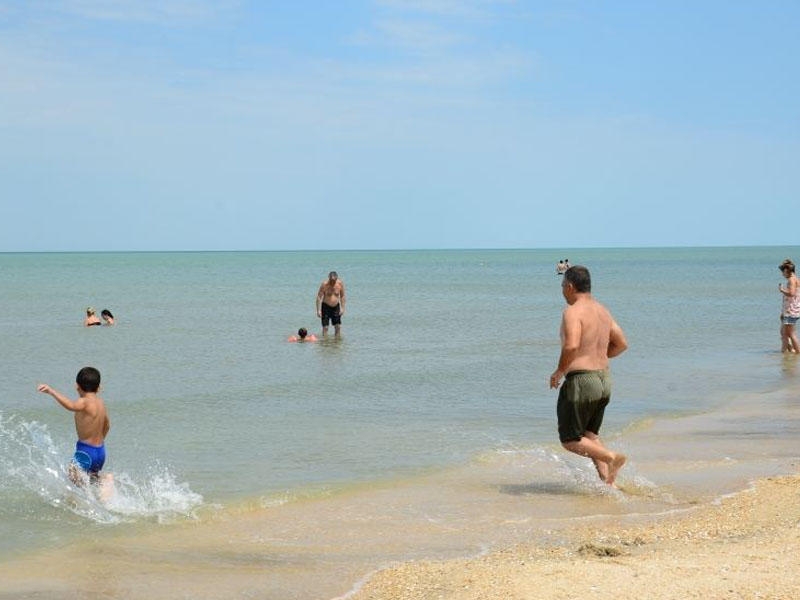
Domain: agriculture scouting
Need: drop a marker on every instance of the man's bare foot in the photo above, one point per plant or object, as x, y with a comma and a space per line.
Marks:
614, 466
602, 469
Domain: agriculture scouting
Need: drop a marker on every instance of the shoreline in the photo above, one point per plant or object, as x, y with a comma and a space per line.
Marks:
344, 550
510, 523
743, 545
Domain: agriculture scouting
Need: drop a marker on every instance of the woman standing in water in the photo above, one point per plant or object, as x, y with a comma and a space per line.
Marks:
790, 311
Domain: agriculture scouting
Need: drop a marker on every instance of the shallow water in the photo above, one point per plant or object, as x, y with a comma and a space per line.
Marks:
428, 430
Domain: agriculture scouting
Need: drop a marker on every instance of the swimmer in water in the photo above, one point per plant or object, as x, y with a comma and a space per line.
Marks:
302, 336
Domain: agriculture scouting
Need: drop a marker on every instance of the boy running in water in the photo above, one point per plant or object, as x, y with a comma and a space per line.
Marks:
91, 425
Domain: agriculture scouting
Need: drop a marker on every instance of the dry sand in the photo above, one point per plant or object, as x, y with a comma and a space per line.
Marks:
745, 546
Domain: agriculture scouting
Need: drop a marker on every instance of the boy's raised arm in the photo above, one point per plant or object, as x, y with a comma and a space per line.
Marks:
76, 406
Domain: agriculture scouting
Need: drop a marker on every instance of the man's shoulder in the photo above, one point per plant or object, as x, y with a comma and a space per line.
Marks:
584, 305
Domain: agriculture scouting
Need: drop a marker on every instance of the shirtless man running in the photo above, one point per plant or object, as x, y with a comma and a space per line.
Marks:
330, 303
589, 338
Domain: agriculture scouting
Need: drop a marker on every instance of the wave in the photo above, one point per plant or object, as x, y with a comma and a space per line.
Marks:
32, 466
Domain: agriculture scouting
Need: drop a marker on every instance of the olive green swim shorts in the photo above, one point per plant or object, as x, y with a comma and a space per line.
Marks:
582, 400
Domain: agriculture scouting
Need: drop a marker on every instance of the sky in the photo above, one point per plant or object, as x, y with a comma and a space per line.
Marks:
390, 124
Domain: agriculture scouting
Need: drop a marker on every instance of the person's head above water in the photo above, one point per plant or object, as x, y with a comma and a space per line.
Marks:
89, 311
302, 333
333, 276
787, 265
106, 314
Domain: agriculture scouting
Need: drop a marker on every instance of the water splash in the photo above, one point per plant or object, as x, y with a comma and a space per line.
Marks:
32, 465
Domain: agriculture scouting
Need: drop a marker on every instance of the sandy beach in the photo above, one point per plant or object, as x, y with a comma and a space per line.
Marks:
744, 546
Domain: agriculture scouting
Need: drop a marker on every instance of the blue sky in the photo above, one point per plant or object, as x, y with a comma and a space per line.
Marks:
226, 125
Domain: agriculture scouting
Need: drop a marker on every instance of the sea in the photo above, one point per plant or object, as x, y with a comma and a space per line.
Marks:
246, 466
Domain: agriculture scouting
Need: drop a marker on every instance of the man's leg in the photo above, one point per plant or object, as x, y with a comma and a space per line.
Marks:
606, 462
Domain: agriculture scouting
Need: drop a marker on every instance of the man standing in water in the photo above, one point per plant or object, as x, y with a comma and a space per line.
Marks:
330, 303
589, 338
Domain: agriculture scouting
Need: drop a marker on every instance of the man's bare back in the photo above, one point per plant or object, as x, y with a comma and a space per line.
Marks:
588, 326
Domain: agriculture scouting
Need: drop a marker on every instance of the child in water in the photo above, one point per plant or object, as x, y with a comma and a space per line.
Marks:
91, 425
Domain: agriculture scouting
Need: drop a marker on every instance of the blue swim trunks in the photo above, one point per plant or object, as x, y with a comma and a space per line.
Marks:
90, 458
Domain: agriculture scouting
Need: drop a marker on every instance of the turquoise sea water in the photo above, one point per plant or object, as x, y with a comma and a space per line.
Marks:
441, 373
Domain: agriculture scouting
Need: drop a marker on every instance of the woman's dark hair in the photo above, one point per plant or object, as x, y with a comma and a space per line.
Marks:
106, 313
787, 264
88, 379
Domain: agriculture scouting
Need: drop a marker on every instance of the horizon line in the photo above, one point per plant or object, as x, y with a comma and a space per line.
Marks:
451, 249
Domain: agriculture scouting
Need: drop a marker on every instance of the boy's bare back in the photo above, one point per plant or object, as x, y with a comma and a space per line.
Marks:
91, 418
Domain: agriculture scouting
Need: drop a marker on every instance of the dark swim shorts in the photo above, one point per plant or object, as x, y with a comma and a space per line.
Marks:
331, 314
90, 458
582, 400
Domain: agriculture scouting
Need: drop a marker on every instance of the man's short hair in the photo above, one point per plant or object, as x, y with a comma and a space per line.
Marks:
302, 332
580, 279
332, 275
88, 379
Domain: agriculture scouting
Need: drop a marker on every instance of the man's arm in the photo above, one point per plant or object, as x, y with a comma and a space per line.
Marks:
106, 426
617, 344
76, 406
570, 345
320, 294
341, 299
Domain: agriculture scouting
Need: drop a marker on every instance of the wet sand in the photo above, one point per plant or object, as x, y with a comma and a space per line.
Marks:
744, 546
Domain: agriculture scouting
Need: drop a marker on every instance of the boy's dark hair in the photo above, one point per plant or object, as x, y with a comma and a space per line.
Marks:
580, 279
302, 332
88, 379
106, 313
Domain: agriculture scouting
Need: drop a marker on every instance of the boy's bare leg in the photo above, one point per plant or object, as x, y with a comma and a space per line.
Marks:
105, 486
75, 475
